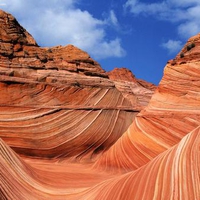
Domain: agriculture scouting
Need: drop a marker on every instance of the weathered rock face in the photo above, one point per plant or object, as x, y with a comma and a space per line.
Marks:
58, 105
59, 102
138, 92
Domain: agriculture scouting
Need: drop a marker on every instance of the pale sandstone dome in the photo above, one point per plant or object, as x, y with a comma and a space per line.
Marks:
69, 130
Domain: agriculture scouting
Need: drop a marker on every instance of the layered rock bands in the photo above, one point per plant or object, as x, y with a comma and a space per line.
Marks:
70, 130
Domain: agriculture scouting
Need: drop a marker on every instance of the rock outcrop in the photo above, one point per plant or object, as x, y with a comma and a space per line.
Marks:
173, 112
58, 102
128, 85
70, 130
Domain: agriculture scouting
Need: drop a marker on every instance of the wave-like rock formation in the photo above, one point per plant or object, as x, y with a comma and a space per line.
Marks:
174, 174
173, 112
70, 130
58, 102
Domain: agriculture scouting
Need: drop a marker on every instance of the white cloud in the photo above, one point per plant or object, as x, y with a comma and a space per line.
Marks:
62, 22
189, 28
185, 13
113, 19
137, 7
172, 46
107, 46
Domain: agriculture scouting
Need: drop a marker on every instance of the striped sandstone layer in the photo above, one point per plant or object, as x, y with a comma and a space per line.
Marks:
51, 116
173, 174
58, 102
173, 112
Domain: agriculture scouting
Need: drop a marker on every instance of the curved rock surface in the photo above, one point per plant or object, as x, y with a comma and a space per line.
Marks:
173, 174
58, 102
173, 112
69, 130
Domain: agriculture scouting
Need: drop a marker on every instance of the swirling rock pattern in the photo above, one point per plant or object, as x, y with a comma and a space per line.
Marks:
173, 112
69, 130
58, 102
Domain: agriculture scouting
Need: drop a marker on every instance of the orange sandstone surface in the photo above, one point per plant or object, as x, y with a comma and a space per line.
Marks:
70, 130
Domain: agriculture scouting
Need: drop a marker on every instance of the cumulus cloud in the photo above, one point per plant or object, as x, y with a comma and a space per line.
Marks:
172, 46
185, 13
62, 22
107, 46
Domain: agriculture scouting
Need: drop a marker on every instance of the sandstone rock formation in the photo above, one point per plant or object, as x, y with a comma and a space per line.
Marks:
69, 130
173, 112
58, 102
128, 85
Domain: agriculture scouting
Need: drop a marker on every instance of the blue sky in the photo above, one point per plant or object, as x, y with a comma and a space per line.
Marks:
140, 35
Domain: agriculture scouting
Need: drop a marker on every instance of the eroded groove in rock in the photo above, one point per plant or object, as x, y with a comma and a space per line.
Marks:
174, 174
171, 175
20, 180
66, 116
64, 130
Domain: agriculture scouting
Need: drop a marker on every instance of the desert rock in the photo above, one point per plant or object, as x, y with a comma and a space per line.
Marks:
70, 130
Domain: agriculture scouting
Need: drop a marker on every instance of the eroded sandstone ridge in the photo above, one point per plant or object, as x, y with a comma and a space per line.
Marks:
69, 130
